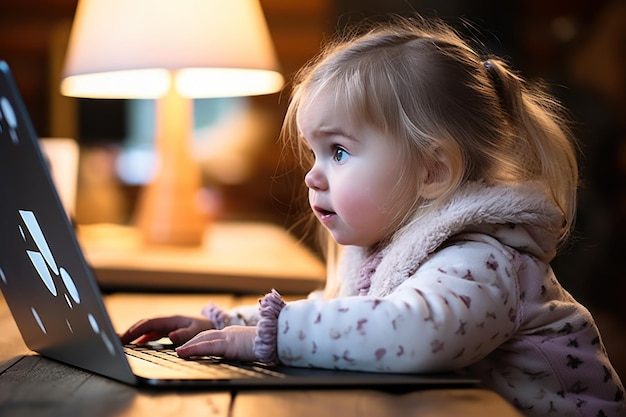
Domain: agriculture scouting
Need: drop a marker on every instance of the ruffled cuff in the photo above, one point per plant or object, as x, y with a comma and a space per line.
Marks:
218, 316
265, 342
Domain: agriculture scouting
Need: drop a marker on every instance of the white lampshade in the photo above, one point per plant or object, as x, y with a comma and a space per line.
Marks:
171, 51
132, 48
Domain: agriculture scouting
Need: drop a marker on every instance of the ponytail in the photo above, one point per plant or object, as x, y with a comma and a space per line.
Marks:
544, 141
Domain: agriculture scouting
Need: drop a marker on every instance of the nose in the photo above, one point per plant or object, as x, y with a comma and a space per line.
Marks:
315, 179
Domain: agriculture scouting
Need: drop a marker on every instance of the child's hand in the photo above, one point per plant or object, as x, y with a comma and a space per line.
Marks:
178, 328
233, 342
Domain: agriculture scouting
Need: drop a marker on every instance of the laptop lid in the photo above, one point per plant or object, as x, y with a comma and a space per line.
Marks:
46, 282
54, 296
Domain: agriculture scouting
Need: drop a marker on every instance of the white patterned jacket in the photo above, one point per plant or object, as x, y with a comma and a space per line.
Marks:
467, 288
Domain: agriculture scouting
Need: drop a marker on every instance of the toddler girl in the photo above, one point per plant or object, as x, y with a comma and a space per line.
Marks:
449, 182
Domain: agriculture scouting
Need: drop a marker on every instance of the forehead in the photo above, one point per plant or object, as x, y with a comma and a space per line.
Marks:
324, 109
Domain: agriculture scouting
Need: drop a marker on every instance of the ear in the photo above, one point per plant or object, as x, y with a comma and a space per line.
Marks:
438, 174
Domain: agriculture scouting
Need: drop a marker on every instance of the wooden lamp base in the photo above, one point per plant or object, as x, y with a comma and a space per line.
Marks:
169, 209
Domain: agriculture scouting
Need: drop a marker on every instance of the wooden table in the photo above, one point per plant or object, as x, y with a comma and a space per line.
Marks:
235, 257
32, 386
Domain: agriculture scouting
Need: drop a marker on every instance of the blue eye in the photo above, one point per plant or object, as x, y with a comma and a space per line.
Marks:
340, 154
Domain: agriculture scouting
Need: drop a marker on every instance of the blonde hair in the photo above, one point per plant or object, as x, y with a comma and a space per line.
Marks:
421, 85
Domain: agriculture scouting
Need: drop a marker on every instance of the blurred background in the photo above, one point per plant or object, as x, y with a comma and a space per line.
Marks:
577, 46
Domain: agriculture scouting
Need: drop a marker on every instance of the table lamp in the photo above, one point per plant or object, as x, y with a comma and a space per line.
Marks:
171, 51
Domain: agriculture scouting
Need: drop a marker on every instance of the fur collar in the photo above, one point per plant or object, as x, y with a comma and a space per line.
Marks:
473, 207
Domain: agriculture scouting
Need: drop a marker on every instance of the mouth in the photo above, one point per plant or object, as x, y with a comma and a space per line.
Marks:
323, 212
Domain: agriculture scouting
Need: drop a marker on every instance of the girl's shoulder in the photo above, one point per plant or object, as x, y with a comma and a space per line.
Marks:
474, 256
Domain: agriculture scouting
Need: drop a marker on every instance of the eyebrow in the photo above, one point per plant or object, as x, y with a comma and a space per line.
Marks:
331, 131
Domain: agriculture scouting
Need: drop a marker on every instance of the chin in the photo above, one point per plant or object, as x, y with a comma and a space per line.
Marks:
348, 241
341, 240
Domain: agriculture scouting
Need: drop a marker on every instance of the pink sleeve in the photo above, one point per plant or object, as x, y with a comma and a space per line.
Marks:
218, 316
270, 307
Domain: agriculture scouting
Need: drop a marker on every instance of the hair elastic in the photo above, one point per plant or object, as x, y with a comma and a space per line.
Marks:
494, 76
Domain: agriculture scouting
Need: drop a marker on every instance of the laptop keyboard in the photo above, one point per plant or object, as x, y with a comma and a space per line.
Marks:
204, 366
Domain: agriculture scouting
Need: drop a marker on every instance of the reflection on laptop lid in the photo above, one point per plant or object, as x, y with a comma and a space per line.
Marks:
55, 299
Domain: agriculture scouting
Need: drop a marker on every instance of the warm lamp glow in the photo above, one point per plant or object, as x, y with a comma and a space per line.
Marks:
172, 51
189, 82
147, 83
226, 82
126, 48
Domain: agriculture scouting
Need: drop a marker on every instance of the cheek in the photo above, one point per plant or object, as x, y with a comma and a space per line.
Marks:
349, 204
363, 207
388, 199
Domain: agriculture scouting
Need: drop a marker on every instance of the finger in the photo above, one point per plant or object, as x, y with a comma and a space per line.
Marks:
181, 335
186, 333
216, 347
145, 338
133, 332
205, 336
156, 328
232, 343
138, 330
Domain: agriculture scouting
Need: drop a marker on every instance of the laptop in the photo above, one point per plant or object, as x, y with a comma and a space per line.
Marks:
58, 307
